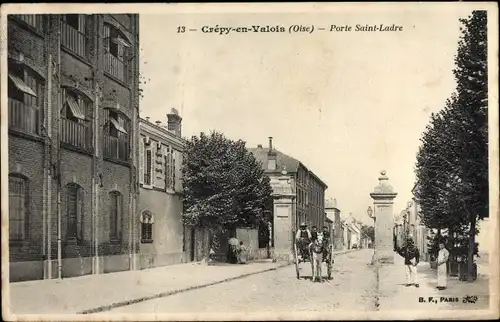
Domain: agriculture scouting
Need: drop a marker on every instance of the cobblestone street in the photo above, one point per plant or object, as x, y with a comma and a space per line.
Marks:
351, 288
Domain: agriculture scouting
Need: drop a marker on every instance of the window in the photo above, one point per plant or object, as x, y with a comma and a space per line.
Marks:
34, 21
25, 97
116, 47
169, 168
75, 126
18, 208
115, 216
74, 213
146, 227
116, 140
149, 165
75, 34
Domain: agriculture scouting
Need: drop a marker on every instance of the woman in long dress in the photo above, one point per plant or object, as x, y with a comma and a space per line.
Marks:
242, 254
442, 259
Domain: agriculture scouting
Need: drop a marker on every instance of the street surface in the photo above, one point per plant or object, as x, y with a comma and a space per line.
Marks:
352, 287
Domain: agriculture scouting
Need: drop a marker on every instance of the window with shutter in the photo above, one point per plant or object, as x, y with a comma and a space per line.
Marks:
153, 162
148, 158
141, 160
178, 171
115, 215
74, 213
18, 208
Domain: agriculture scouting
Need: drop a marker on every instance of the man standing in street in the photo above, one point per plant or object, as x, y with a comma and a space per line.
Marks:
442, 273
412, 256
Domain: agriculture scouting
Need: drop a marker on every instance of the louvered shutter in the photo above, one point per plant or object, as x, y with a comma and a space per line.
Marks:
178, 173
153, 163
141, 160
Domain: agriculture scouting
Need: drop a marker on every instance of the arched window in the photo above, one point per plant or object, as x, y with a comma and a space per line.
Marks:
116, 138
25, 97
117, 46
74, 213
115, 216
18, 207
76, 113
75, 34
146, 226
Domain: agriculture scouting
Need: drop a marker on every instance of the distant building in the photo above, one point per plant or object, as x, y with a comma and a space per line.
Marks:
73, 104
333, 213
307, 188
160, 195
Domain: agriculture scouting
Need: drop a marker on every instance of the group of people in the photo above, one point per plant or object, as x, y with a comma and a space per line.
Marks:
306, 237
411, 255
237, 252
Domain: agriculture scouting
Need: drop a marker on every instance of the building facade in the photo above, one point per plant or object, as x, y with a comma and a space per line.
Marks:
308, 190
160, 195
73, 118
333, 213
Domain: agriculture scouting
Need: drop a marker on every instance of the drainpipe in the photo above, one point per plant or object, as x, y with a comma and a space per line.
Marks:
135, 131
96, 185
59, 246
95, 144
47, 209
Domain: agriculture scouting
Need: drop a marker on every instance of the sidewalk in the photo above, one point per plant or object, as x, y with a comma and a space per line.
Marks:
394, 295
97, 293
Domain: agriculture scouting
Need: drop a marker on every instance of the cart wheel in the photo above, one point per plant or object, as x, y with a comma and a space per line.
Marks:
330, 263
296, 261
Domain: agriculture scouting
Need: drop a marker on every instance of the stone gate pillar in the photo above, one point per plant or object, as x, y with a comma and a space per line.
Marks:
383, 196
283, 216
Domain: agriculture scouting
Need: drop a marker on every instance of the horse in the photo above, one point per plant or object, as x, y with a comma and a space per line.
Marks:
317, 248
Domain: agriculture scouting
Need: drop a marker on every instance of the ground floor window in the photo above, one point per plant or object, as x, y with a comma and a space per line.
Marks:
146, 227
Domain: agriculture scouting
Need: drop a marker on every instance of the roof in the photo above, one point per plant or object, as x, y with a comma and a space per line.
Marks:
261, 154
292, 165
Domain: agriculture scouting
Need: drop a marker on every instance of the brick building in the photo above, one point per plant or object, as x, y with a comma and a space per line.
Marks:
309, 204
160, 195
73, 119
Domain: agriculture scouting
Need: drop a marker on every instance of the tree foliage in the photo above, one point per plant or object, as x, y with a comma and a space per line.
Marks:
224, 185
452, 162
368, 232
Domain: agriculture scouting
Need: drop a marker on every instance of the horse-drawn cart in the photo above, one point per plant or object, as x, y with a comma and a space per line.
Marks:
306, 253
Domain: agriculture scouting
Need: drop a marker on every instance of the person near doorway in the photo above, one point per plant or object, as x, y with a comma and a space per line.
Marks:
411, 255
442, 273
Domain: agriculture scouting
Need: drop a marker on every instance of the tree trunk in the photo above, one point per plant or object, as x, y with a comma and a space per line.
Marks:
472, 241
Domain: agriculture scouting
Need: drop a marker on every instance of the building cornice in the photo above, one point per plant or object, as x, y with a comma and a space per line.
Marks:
160, 134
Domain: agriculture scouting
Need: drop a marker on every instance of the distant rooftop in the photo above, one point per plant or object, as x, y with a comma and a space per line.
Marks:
291, 164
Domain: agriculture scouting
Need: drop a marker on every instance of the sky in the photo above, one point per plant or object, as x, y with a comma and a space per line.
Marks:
346, 104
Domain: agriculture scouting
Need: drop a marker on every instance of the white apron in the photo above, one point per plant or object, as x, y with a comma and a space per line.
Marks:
441, 269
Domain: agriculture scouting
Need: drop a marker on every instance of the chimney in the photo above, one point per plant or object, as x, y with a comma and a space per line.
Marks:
158, 123
174, 122
147, 118
271, 156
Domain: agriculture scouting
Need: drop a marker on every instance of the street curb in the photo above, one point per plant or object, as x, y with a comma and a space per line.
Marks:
169, 293
178, 291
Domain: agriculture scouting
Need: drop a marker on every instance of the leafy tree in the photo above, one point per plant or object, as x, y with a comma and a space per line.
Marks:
368, 232
224, 185
471, 74
452, 162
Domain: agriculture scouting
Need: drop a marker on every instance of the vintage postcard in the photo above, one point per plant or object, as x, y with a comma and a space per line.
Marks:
280, 161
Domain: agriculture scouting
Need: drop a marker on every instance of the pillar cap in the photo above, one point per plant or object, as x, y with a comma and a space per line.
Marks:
383, 186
